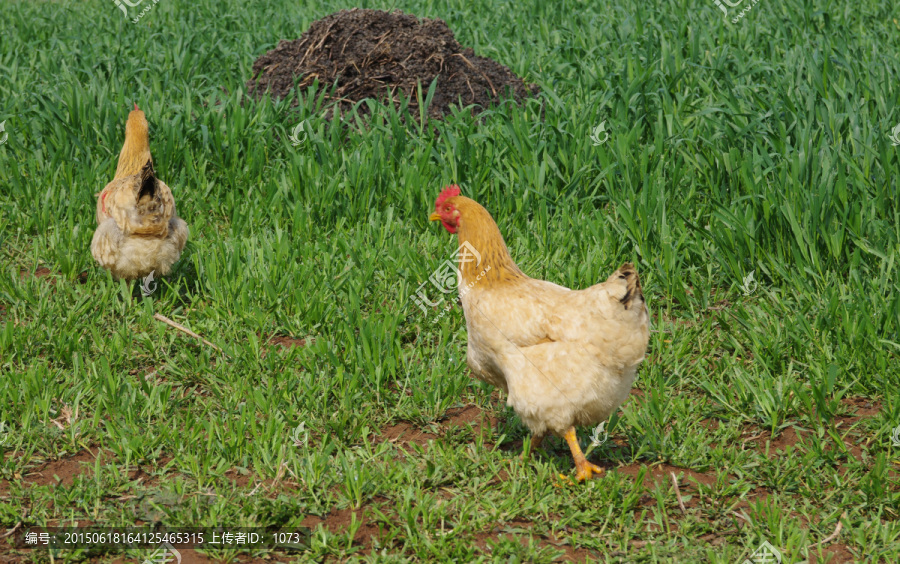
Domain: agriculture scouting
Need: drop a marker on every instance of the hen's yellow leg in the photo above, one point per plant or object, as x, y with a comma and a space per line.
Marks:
585, 470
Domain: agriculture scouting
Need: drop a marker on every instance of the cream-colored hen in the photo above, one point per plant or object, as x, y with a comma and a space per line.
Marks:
138, 230
565, 357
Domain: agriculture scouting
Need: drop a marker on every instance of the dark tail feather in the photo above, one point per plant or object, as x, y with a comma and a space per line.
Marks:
633, 292
148, 181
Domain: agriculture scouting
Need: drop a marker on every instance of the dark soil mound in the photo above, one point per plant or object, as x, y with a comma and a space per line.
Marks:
375, 54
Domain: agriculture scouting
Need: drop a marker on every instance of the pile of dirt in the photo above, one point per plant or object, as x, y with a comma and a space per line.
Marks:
376, 54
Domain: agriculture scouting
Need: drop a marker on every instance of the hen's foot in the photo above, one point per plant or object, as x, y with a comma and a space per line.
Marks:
584, 469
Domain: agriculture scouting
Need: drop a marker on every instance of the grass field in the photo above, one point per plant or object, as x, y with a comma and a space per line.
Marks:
758, 147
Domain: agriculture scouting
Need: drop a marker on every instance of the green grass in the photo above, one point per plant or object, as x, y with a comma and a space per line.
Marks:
753, 147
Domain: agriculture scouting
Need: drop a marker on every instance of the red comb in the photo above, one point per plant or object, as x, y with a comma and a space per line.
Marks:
448, 192
135, 107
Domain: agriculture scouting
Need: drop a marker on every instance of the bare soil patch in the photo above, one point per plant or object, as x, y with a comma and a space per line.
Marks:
787, 438
63, 472
833, 554
570, 554
406, 433
286, 342
469, 415
338, 521
661, 475
44, 272
864, 407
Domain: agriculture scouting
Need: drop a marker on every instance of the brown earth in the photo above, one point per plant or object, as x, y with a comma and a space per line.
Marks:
405, 433
376, 54
44, 272
661, 473
338, 521
63, 471
837, 553
286, 342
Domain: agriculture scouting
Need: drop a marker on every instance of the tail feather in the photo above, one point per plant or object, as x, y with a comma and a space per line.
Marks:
633, 292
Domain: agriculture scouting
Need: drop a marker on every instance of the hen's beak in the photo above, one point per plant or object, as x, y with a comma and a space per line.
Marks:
434, 217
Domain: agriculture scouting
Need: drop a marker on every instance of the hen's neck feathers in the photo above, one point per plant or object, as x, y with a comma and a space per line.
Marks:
477, 228
136, 150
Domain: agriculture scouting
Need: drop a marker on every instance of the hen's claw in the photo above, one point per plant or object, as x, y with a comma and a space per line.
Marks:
586, 471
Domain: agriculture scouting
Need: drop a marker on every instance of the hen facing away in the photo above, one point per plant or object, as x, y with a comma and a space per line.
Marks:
138, 230
566, 358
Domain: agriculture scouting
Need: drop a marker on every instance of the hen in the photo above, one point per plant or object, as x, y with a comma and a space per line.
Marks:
138, 231
566, 358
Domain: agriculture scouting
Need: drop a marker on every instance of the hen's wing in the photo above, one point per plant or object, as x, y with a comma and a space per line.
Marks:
610, 316
501, 318
519, 312
583, 369
140, 204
